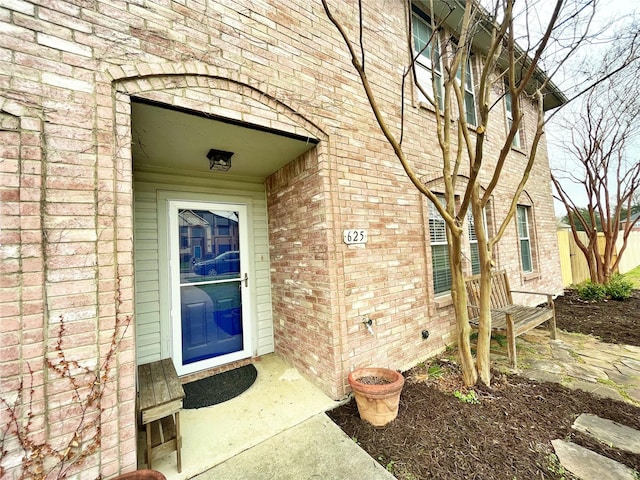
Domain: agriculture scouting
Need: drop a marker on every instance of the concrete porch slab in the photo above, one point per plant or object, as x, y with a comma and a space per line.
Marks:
279, 399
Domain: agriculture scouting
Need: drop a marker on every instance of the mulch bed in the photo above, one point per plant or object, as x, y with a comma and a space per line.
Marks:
508, 433
612, 321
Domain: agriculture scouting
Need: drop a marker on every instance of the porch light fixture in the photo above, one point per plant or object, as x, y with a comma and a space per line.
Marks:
219, 160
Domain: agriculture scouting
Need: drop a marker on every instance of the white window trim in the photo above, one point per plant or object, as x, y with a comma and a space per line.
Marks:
526, 210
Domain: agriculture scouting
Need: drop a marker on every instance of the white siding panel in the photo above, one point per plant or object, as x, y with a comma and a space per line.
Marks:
147, 353
146, 318
149, 338
263, 279
146, 297
147, 276
149, 286
265, 338
145, 245
150, 254
147, 235
150, 265
146, 308
152, 328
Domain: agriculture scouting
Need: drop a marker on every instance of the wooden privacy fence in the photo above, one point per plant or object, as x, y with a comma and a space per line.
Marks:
573, 264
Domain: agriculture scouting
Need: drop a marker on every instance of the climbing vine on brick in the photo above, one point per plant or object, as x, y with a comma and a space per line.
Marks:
26, 449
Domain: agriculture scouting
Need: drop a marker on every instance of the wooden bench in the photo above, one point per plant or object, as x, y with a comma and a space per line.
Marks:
160, 402
507, 318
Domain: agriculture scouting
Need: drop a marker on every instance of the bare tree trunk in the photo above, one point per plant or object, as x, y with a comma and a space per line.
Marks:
483, 364
609, 249
484, 331
459, 297
592, 261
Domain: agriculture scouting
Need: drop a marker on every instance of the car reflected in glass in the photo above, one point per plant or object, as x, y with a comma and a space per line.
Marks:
225, 263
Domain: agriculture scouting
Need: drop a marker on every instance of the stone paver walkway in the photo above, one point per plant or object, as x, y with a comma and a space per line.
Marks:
579, 361
588, 465
609, 432
583, 362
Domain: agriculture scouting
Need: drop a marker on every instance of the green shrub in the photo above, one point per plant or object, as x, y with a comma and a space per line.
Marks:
618, 287
470, 397
595, 292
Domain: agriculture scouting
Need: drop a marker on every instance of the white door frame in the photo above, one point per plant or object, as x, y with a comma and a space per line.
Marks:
174, 285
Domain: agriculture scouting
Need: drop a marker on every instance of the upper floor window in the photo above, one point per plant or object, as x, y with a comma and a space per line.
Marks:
524, 235
428, 64
509, 112
223, 225
469, 95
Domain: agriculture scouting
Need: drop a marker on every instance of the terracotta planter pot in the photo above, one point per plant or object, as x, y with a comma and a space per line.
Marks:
377, 403
141, 475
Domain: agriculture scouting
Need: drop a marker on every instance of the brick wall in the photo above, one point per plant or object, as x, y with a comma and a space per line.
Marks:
303, 277
53, 278
67, 72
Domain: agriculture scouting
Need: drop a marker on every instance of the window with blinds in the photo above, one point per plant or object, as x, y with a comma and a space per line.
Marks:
473, 245
439, 250
525, 238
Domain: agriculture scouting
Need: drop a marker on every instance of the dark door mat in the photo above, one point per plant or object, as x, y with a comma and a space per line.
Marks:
219, 388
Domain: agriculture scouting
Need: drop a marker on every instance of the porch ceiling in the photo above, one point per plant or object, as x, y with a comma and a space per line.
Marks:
173, 140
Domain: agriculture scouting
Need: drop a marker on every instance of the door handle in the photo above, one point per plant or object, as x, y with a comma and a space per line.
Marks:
246, 280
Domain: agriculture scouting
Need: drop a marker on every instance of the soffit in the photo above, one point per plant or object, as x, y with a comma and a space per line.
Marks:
171, 139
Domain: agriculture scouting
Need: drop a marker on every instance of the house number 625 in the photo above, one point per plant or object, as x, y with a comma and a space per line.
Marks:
354, 236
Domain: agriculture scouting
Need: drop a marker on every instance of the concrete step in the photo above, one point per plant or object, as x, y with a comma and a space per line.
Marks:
609, 432
315, 449
588, 465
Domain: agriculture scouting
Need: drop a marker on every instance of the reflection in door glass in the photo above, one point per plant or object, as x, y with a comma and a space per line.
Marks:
211, 320
211, 311
209, 245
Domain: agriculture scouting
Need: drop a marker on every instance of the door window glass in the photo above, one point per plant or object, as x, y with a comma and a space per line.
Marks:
210, 289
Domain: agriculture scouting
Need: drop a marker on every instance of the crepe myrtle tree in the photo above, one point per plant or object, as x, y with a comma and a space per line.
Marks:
604, 165
513, 57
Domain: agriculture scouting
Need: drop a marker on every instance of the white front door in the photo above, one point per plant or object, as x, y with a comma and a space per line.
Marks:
209, 279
